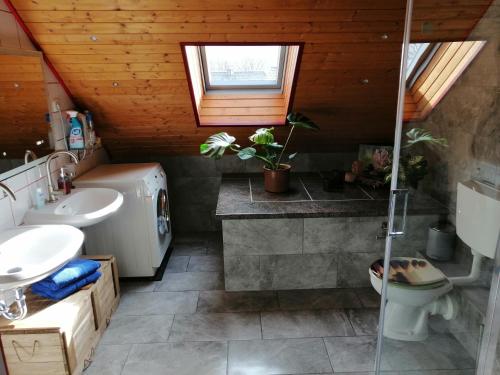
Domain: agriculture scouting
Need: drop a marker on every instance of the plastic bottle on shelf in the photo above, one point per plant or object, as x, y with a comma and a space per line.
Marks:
76, 137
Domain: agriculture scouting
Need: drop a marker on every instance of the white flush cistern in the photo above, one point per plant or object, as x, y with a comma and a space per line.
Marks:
478, 224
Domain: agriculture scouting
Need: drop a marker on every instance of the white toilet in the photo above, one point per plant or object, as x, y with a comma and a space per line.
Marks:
417, 289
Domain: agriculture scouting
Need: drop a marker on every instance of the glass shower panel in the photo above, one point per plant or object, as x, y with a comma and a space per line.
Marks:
438, 288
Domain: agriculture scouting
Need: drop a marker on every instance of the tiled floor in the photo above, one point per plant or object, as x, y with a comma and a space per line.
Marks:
187, 324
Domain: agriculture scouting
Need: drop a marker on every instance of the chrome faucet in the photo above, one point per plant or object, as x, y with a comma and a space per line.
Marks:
52, 193
6, 191
27, 156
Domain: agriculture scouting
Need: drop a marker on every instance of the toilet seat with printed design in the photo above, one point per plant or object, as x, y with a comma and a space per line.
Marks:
414, 273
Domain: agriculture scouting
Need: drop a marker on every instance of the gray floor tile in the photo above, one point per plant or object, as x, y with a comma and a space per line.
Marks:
368, 296
214, 327
192, 281
137, 286
177, 264
205, 263
310, 299
109, 360
313, 323
157, 303
183, 358
188, 249
129, 329
364, 321
191, 237
286, 356
222, 301
438, 352
351, 354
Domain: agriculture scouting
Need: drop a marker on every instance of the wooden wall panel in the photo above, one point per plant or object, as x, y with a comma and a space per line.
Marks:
137, 45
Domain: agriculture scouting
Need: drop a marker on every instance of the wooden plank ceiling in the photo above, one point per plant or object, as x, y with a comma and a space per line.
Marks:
137, 45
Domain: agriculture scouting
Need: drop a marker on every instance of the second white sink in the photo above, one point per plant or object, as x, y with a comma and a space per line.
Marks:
30, 253
81, 208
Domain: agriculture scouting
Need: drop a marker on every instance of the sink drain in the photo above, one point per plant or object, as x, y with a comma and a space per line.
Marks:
14, 270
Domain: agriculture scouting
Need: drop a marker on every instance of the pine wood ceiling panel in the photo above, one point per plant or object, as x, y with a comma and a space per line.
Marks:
138, 46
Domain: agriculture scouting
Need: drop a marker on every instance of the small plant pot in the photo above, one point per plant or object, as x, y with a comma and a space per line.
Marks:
277, 181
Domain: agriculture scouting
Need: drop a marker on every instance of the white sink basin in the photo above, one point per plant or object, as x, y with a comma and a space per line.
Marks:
81, 208
31, 253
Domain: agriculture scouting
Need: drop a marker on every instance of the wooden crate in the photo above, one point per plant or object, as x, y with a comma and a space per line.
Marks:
55, 338
59, 338
106, 291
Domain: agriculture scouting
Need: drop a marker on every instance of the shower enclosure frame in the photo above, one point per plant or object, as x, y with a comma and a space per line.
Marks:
486, 357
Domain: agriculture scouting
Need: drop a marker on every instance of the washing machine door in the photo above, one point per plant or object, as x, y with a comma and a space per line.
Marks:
162, 214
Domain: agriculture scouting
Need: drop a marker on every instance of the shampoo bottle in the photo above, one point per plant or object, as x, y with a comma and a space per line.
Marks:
76, 138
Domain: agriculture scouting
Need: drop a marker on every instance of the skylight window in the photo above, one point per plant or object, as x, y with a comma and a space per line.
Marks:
242, 84
415, 52
243, 67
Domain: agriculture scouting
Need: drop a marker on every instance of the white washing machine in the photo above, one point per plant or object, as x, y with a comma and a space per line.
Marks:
139, 234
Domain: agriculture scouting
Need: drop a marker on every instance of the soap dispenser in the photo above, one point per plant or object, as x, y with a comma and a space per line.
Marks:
63, 182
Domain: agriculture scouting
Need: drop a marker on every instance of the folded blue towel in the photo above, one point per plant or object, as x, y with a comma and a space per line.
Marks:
57, 295
74, 270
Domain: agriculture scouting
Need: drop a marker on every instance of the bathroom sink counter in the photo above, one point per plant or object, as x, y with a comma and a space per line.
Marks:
308, 238
244, 197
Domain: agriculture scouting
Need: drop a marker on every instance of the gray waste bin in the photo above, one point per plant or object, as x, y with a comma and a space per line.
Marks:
441, 241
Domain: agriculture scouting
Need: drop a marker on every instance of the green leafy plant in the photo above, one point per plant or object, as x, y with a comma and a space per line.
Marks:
263, 144
418, 135
413, 168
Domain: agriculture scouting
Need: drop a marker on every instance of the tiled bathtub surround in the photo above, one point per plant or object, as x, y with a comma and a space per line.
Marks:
242, 196
310, 253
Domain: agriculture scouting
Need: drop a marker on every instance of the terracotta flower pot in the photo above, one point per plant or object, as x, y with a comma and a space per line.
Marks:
277, 181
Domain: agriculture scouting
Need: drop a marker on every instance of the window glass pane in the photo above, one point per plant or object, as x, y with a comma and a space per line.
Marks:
415, 51
243, 65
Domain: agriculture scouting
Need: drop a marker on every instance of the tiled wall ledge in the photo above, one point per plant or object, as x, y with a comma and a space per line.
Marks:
24, 181
310, 253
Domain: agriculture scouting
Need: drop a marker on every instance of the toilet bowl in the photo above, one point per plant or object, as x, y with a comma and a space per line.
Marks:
415, 291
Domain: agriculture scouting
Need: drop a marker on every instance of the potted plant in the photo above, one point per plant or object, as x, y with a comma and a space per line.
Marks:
264, 147
413, 168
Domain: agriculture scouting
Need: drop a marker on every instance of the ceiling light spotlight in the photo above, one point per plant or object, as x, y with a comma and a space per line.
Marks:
115, 84
4, 154
365, 81
93, 38
384, 36
16, 85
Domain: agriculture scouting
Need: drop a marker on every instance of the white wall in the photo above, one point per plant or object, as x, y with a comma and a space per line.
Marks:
25, 182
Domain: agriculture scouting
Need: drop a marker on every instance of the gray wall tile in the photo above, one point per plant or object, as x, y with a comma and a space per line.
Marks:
353, 269
262, 236
242, 272
335, 235
303, 271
